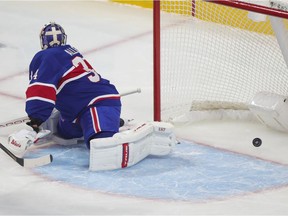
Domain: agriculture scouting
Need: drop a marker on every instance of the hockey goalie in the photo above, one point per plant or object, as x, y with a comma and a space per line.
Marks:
87, 105
124, 149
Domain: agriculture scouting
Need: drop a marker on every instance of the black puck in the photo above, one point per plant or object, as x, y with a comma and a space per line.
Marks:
122, 122
257, 142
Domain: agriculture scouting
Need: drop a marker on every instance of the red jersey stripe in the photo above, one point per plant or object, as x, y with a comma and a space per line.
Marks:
72, 74
41, 91
94, 114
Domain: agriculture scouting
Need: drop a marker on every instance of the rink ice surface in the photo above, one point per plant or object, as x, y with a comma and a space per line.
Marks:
214, 170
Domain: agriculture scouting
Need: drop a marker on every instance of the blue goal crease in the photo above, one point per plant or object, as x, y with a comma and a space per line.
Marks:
192, 172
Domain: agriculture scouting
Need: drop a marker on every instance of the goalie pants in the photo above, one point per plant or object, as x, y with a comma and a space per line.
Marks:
95, 122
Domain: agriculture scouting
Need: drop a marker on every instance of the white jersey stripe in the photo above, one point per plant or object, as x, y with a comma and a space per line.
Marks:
94, 100
41, 99
43, 84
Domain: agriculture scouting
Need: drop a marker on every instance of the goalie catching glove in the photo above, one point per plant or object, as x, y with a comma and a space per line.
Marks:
19, 142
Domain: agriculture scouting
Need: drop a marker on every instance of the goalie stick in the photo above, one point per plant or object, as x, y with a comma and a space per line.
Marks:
26, 119
14, 122
28, 162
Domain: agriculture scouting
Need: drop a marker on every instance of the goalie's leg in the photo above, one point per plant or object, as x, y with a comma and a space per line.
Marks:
96, 122
127, 148
99, 122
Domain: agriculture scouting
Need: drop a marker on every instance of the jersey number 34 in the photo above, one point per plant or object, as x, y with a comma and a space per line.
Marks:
78, 61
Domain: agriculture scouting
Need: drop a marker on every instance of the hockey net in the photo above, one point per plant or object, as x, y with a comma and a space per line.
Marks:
214, 58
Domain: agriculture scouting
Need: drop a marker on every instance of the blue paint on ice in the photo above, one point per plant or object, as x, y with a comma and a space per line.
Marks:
191, 173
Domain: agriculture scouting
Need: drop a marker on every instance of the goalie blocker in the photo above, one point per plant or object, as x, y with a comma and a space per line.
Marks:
129, 147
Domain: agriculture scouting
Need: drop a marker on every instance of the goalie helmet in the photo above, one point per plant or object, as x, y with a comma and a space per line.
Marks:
52, 35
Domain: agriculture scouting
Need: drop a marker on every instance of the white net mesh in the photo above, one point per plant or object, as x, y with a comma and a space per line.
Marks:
214, 57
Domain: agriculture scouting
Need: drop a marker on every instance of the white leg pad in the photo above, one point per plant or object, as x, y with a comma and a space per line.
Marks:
127, 148
51, 123
271, 110
163, 140
61, 141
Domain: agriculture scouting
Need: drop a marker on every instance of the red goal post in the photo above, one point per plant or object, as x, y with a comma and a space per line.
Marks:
210, 56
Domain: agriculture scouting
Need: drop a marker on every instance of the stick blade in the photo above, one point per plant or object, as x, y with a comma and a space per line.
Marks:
36, 162
28, 162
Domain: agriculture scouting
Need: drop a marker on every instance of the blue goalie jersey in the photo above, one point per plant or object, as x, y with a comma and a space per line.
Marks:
61, 78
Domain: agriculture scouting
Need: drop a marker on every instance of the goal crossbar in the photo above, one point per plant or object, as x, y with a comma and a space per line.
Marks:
252, 7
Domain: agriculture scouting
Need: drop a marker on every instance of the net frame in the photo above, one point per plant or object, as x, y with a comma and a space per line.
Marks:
199, 105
